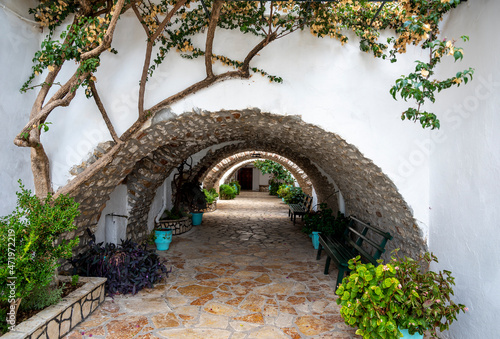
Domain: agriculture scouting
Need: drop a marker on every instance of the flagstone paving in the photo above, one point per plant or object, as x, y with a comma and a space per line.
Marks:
245, 272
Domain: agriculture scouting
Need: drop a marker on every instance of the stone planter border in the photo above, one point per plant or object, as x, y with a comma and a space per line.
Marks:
58, 320
178, 226
211, 207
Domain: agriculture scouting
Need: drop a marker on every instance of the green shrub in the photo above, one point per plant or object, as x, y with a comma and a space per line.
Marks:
211, 195
41, 297
30, 247
326, 222
227, 192
172, 214
236, 185
283, 190
274, 187
294, 195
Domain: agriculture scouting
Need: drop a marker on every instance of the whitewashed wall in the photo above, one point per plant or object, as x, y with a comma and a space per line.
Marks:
18, 42
338, 88
449, 178
465, 175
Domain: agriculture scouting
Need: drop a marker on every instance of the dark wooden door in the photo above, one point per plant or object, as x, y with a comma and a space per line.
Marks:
245, 177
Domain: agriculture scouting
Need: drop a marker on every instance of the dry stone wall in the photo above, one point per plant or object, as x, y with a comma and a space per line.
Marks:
145, 161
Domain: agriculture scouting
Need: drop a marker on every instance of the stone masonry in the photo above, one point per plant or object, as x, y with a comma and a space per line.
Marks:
146, 160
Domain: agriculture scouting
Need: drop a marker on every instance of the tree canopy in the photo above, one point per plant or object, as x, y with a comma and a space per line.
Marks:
169, 26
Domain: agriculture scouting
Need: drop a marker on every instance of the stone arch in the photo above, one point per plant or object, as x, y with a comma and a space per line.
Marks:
147, 159
213, 173
324, 187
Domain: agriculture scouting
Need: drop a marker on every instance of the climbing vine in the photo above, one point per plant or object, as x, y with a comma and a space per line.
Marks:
88, 27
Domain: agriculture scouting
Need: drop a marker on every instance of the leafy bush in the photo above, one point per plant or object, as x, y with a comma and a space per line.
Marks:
226, 192
325, 222
29, 243
128, 266
283, 190
172, 214
403, 294
274, 187
211, 195
236, 185
41, 297
294, 195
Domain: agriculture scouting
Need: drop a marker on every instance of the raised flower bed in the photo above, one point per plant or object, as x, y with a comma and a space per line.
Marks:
57, 320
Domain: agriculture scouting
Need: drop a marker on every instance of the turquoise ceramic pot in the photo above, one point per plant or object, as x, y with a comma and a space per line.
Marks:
315, 239
407, 335
163, 238
197, 217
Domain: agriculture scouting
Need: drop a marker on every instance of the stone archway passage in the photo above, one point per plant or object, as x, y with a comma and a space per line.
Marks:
253, 279
145, 161
212, 176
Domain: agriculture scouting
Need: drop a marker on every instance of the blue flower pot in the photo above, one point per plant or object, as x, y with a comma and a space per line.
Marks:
197, 217
163, 238
407, 335
315, 239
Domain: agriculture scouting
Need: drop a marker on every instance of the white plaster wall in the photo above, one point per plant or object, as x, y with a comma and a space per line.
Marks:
465, 175
117, 204
338, 88
18, 42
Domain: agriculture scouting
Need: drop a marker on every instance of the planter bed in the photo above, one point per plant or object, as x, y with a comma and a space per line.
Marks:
178, 226
57, 320
211, 208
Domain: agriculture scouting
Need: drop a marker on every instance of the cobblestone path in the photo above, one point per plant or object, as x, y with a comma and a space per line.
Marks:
245, 272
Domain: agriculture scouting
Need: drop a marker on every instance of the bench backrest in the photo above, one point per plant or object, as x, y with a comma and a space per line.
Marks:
367, 246
306, 202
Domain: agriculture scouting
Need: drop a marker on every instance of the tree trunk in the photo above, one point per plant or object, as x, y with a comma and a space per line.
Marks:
41, 171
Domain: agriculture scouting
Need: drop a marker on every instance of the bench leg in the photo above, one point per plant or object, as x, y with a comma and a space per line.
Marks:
327, 265
320, 248
294, 217
340, 276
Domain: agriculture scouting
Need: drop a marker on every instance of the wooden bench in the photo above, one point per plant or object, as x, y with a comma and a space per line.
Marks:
352, 244
300, 209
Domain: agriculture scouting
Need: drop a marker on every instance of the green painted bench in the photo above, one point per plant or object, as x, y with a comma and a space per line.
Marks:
300, 209
369, 243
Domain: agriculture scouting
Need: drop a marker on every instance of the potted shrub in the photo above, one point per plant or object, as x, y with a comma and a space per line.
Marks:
324, 221
194, 199
226, 192
401, 297
282, 191
211, 196
294, 195
236, 185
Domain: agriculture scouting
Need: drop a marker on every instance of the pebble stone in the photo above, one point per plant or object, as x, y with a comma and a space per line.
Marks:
245, 272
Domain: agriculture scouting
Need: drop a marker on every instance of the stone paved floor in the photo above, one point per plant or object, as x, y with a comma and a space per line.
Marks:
246, 272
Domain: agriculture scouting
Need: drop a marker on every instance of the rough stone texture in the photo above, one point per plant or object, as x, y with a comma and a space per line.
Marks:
56, 321
177, 226
146, 160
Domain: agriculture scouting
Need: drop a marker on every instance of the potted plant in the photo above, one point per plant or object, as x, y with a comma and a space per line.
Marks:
294, 195
400, 298
211, 196
324, 221
236, 186
226, 192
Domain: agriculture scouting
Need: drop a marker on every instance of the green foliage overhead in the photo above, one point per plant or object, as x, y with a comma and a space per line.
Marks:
407, 23
277, 171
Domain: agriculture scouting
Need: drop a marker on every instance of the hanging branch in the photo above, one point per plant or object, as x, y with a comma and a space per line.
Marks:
105, 116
